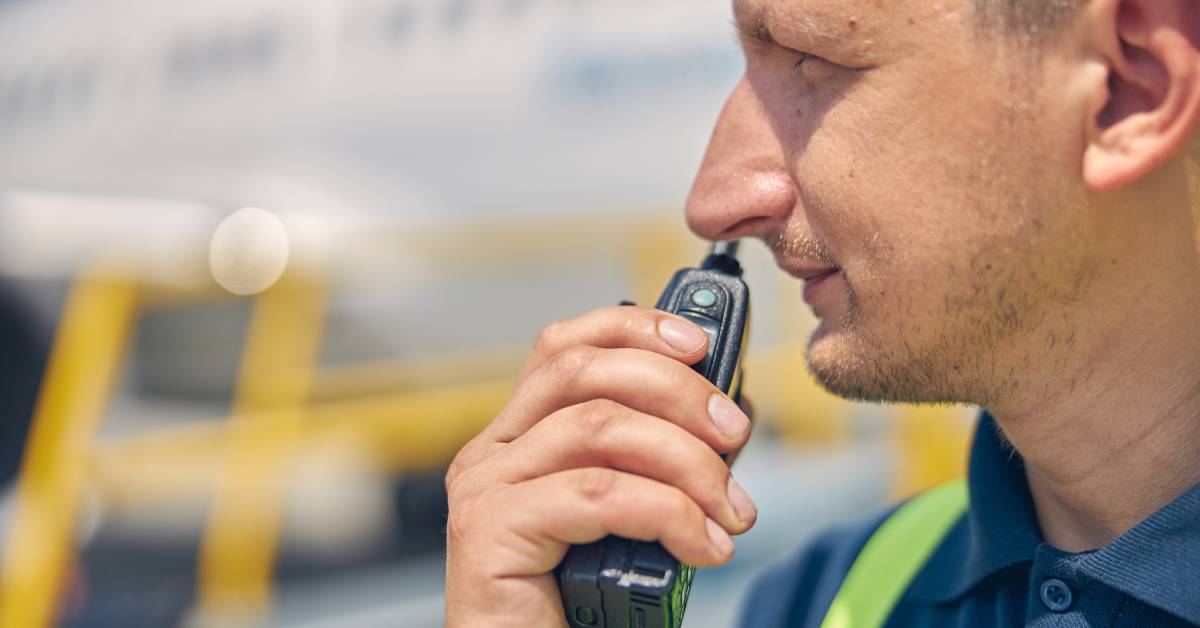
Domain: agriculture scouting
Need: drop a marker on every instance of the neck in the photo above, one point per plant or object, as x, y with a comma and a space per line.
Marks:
1098, 474
1116, 435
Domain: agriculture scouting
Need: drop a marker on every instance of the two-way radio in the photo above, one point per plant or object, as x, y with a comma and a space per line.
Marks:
621, 583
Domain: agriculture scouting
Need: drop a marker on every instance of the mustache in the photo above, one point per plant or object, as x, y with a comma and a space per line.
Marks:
801, 244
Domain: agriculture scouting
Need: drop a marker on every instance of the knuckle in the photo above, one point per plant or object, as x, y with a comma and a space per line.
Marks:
548, 337
569, 365
636, 322
462, 518
598, 416
454, 474
682, 377
459, 466
455, 470
596, 484
680, 504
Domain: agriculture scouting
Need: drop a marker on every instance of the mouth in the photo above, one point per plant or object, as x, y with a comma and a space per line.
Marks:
814, 275
813, 285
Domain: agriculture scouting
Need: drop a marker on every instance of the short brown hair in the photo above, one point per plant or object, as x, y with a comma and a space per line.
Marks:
1031, 18
1038, 19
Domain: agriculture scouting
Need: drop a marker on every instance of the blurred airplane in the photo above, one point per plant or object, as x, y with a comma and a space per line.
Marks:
136, 125
433, 110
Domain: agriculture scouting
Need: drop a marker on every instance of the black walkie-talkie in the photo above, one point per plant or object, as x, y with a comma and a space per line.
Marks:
621, 583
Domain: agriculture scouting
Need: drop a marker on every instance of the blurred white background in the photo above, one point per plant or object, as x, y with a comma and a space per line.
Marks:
451, 175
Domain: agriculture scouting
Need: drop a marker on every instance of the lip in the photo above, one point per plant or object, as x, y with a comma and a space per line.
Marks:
803, 269
814, 274
814, 283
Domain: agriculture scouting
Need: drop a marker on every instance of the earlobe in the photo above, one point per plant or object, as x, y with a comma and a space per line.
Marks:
1151, 104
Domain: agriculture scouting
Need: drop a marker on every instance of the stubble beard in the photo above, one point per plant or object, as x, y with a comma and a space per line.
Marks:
1001, 307
881, 351
953, 358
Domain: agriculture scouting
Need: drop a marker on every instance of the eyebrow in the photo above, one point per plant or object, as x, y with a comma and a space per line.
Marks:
753, 28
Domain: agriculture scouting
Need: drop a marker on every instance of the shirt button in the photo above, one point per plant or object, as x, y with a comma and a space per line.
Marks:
1056, 595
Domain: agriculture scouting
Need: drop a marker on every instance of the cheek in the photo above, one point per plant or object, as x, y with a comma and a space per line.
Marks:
877, 199
916, 205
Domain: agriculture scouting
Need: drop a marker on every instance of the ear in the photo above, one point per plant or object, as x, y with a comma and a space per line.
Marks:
1147, 111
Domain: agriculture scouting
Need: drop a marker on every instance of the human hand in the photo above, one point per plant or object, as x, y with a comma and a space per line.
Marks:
608, 431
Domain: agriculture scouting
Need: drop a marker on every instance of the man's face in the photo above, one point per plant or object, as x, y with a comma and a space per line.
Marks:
927, 167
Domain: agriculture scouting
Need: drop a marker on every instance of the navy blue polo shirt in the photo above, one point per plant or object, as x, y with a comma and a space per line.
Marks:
993, 569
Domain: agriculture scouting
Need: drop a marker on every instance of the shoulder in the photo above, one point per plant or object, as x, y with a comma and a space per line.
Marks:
798, 590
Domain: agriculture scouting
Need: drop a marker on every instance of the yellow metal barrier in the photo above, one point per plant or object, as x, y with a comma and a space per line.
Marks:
433, 372
399, 416
238, 552
932, 444
81, 374
395, 433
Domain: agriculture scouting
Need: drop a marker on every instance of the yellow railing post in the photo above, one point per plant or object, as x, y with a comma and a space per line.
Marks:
931, 445
83, 368
237, 555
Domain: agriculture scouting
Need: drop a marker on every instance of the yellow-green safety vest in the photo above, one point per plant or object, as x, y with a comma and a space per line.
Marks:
894, 555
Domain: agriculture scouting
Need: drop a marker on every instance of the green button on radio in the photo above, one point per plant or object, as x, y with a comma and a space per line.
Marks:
704, 298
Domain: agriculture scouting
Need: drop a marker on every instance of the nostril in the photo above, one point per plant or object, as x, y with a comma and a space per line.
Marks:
747, 226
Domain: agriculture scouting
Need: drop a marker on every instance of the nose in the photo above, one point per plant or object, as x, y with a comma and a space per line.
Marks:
743, 187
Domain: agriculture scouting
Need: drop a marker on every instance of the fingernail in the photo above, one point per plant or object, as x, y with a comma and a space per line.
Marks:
742, 504
719, 537
685, 337
730, 419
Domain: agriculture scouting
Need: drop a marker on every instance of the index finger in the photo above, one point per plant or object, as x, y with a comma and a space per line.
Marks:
621, 327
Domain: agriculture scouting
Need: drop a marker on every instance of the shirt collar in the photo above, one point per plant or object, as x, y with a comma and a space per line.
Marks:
999, 530
1157, 561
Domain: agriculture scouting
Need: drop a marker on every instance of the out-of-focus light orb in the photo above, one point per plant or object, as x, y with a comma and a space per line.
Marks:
249, 251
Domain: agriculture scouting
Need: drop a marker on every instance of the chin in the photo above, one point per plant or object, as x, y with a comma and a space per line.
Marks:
840, 369
851, 365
